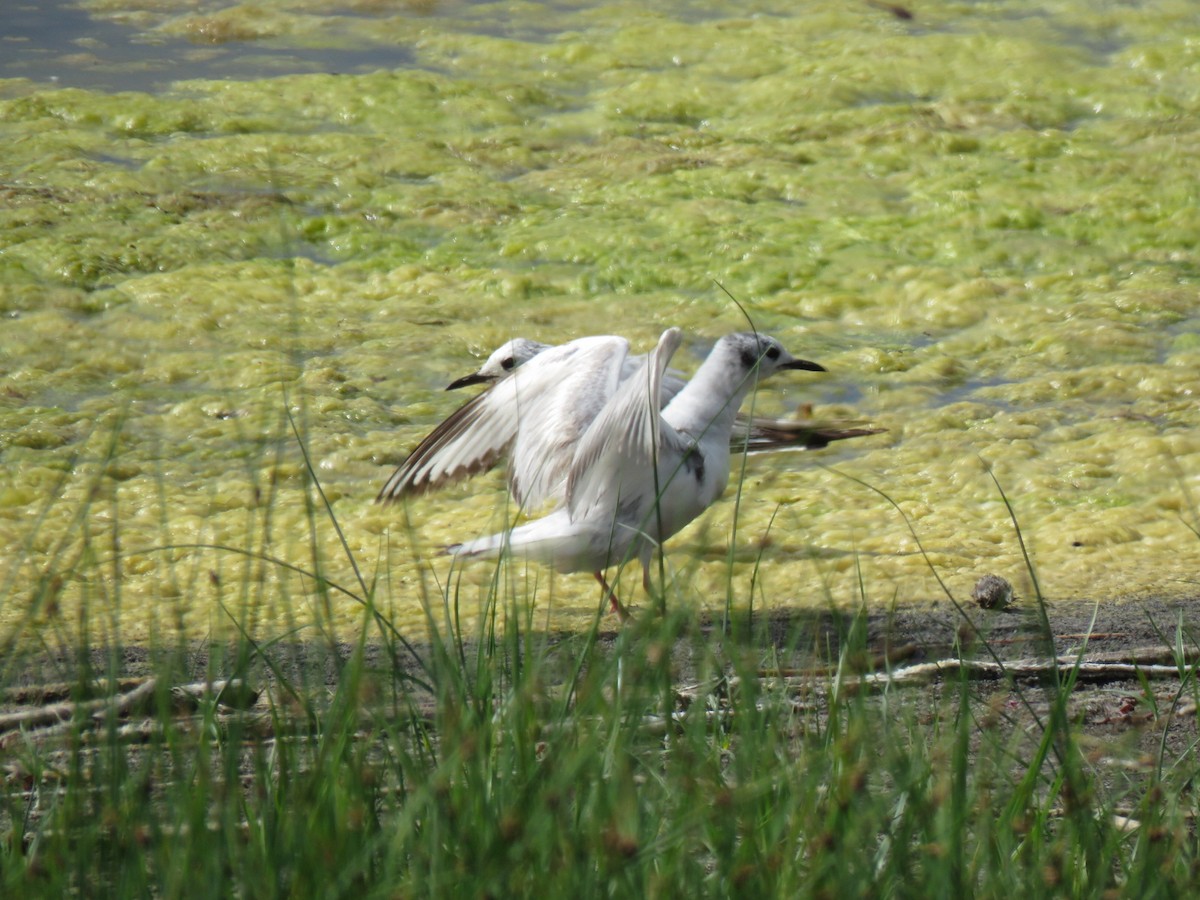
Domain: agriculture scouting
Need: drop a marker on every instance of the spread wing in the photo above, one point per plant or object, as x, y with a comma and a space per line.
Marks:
556, 409
618, 453
542, 408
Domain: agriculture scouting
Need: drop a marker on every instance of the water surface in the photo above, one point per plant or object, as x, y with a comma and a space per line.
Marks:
982, 220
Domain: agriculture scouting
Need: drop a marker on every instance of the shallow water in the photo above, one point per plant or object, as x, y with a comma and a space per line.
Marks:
981, 220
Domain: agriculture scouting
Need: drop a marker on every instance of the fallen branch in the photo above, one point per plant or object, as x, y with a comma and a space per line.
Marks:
55, 718
1022, 668
68, 710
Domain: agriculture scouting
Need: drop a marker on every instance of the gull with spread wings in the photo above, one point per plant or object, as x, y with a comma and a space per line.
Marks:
628, 459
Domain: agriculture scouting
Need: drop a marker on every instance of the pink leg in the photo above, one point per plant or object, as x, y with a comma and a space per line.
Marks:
621, 611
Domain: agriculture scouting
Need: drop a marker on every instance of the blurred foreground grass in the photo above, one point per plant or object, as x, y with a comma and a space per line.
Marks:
674, 757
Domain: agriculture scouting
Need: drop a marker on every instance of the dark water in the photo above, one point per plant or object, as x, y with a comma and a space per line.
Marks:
58, 43
55, 42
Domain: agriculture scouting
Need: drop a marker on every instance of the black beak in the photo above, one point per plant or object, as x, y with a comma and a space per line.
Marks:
473, 378
805, 365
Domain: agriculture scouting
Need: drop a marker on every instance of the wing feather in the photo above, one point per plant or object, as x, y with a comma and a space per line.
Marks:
620, 447
555, 412
532, 415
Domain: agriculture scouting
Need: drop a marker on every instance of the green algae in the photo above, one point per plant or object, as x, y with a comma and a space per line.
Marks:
983, 223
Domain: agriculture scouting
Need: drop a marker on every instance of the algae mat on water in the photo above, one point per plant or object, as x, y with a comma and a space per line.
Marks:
982, 219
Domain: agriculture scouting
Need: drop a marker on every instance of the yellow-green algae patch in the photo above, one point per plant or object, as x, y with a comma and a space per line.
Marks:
982, 221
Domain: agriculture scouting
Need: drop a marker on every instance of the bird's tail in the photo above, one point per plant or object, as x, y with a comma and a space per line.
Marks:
542, 539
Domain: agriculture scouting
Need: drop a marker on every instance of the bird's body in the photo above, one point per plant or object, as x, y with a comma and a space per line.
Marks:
641, 470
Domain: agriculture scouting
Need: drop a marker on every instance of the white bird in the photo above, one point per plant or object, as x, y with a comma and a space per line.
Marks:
639, 471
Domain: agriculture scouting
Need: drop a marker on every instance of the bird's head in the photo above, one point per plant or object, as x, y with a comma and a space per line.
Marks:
749, 350
506, 360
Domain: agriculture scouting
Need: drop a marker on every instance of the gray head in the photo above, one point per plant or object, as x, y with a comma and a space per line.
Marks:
750, 350
502, 363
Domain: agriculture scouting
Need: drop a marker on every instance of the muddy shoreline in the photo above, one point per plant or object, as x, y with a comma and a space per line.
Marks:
796, 639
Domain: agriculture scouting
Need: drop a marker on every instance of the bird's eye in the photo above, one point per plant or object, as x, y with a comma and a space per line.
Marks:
507, 363
773, 353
